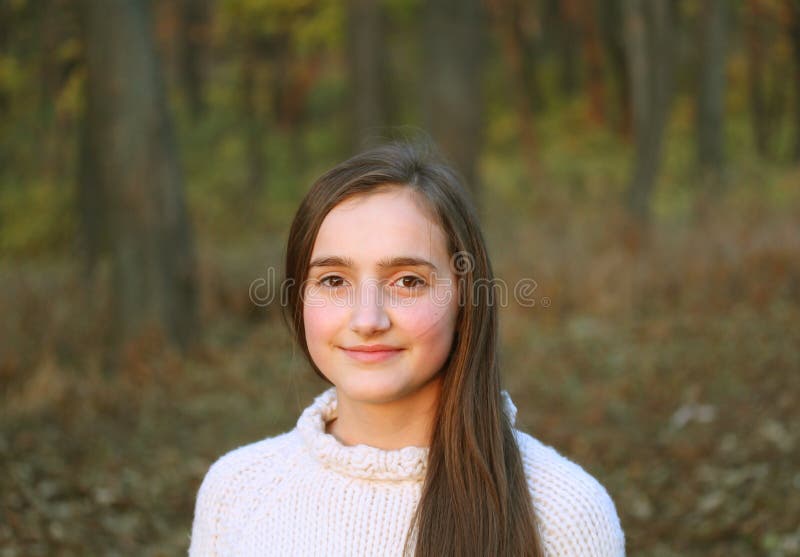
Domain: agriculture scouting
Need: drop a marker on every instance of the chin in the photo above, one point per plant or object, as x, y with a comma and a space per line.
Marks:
379, 390
372, 390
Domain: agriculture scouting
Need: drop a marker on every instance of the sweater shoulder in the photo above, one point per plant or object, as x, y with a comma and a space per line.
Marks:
237, 480
255, 463
257, 453
575, 513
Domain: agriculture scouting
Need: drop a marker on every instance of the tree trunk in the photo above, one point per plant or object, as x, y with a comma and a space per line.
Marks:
649, 42
794, 35
593, 54
454, 36
710, 109
252, 117
366, 50
135, 162
193, 38
90, 203
566, 23
756, 78
529, 31
507, 15
614, 39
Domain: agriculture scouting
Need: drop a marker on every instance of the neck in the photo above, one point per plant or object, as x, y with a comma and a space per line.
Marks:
405, 422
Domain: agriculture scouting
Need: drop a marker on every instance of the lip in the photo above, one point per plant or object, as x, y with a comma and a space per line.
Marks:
371, 353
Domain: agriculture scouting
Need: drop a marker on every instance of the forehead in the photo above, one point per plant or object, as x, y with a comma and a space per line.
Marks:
393, 221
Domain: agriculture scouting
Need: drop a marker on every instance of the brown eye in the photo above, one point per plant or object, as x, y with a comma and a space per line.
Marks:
410, 281
332, 281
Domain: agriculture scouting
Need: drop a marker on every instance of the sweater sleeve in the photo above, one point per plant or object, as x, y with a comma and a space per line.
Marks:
575, 514
590, 527
236, 482
208, 514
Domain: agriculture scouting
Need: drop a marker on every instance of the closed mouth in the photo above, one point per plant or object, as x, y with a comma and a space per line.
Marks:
371, 348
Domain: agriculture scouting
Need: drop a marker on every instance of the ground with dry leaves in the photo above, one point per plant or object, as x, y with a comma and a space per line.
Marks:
668, 365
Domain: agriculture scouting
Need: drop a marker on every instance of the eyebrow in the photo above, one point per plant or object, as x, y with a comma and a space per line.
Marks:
385, 263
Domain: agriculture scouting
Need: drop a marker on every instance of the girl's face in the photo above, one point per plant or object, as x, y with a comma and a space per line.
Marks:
380, 303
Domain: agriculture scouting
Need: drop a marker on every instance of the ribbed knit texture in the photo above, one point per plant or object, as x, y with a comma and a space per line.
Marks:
305, 494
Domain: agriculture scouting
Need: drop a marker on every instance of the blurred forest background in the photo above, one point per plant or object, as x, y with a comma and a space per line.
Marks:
639, 159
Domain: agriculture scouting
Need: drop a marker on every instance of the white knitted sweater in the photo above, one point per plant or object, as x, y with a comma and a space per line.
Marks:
305, 494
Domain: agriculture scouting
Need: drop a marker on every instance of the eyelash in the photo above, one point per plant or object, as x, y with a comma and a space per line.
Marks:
419, 281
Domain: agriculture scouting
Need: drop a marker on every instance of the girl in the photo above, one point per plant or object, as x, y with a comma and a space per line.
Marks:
413, 450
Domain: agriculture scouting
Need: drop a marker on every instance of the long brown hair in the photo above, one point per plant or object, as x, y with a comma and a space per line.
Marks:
475, 500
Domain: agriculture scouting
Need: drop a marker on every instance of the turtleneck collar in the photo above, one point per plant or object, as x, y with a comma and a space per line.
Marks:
363, 461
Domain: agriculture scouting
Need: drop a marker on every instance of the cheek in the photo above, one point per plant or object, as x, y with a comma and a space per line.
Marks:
430, 323
321, 322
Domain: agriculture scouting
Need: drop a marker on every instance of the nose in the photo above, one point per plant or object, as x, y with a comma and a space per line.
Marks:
368, 315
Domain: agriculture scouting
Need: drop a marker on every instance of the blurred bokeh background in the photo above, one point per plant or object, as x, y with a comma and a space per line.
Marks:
638, 159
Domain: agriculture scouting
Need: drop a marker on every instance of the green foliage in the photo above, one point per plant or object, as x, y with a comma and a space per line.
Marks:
308, 24
12, 76
578, 159
36, 219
